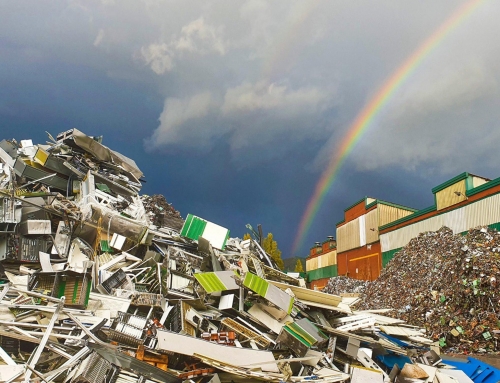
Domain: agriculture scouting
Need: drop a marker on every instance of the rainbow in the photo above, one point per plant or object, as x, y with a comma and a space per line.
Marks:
371, 110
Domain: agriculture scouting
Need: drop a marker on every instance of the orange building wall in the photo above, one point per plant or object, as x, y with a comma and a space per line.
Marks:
355, 212
362, 263
319, 284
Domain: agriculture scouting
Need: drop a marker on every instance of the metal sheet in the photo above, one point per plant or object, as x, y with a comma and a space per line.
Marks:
187, 345
451, 195
348, 236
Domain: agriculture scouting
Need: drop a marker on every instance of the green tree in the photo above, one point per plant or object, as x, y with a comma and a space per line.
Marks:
299, 268
271, 247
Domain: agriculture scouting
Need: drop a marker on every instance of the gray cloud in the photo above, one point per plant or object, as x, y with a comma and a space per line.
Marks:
197, 37
444, 123
179, 120
159, 57
250, 115
258, 70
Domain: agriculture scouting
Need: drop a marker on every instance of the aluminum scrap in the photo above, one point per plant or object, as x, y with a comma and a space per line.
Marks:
101, 284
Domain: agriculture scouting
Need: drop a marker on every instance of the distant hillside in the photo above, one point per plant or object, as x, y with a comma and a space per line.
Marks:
291, 262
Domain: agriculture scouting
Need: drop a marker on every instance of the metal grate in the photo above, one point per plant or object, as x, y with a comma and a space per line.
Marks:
117, 280
94, 369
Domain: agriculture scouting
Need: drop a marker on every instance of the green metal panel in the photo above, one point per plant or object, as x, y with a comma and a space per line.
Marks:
225, 241
388, 255
255, 283
193, 227
322, 272
495, 226
299, 333
469, 184
297, 336
306, 332
210, 282
187, 224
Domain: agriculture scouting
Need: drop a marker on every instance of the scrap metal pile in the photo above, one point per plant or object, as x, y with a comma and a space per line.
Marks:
446, 283
98, 287
342, 284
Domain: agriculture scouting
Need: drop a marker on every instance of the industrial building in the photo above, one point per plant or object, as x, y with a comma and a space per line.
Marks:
321, 264
359, 252
463, 202
373, 231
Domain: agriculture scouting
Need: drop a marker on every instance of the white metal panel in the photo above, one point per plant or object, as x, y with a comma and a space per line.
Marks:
188, 345
456, 220
215, 234
362, 230
480, 213
478, 181
400, 237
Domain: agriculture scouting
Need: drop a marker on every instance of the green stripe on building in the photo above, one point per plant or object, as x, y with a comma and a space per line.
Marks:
322, 272
388, 255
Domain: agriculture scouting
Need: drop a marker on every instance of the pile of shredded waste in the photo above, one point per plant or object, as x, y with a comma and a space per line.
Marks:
341, 284
446, 283
161, 212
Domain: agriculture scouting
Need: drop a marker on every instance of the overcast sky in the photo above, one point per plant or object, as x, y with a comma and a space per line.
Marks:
232, 109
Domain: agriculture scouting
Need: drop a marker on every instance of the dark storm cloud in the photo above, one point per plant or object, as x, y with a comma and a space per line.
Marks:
233, 109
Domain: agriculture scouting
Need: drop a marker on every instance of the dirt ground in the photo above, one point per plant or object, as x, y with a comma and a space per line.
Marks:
493, 360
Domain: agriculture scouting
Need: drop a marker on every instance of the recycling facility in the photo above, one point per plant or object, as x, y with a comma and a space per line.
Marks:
102, 284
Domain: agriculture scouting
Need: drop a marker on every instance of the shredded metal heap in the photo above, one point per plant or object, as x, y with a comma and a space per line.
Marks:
447, 283
341, 284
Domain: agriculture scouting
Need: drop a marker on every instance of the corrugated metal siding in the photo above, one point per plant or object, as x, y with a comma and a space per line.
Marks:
400, 237
361, 263
311, 264
348, 236
483, 212
330, 258
323, 260
388, 214
371, 223
480, 213
366, 268
447, 196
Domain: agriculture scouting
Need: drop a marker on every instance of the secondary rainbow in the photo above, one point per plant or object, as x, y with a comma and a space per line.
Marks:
370, 111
